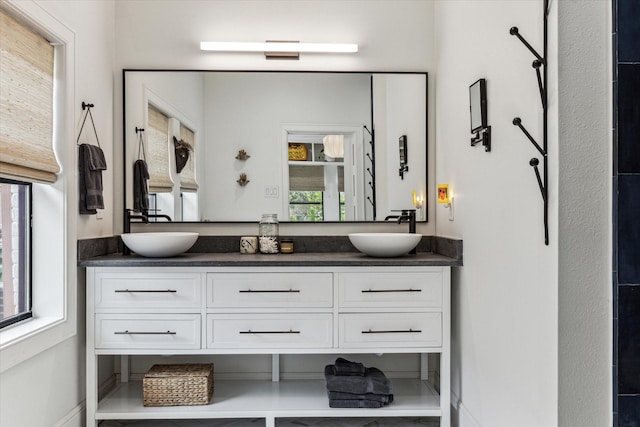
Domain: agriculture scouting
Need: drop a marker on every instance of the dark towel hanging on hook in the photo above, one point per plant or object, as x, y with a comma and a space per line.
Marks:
91, 163
140, 177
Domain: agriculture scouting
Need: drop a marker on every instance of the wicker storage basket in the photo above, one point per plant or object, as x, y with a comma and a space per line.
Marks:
297, 152
177, 385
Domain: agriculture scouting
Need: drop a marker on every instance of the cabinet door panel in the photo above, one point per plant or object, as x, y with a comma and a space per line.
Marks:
386, 289
390, 330
270, 290
263, 331
148, 290
148, 331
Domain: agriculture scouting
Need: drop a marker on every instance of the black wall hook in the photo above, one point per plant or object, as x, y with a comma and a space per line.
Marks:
518, 122
515, 32
86, 105
138, 130
538, 64
372, 170
534, 163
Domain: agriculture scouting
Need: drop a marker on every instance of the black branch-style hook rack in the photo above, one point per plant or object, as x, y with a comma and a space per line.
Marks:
372, 170
539, 63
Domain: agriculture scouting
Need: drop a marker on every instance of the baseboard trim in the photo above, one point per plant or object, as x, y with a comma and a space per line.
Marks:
460, 415
74, 418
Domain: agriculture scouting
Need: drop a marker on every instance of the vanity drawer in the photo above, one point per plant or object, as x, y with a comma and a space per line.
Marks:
148, 290
269, 290
263, 331
386, 289
364, 330
147, 331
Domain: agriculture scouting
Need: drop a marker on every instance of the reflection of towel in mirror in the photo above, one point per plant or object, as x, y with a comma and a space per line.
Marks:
91, 163
140, 187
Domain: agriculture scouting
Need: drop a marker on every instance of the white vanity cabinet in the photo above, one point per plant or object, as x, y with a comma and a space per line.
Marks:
305, 310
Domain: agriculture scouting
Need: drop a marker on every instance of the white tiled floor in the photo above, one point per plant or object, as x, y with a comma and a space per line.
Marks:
300, 422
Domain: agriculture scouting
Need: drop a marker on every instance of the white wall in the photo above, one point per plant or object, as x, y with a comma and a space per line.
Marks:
399, 109
169, 37
48, 388
507, 308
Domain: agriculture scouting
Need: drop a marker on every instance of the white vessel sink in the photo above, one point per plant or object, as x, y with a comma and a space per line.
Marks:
158, 245
385, 245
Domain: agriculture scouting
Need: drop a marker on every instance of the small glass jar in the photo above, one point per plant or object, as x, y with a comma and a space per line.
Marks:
268, 231
286, 246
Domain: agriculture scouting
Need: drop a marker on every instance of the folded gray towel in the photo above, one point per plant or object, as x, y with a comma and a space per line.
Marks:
95, 157
373, 381
354, 404
140, 187
339, 395
346, 367
91, 163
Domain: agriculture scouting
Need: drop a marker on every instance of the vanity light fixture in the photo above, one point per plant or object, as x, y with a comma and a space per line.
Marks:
418, 202
274, 49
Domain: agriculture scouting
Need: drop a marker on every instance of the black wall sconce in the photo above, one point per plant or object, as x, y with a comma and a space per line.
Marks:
478, 113
404, 159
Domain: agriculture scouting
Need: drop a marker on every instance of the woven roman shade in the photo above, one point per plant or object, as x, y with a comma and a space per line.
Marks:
26, 104
158, 152
306, 178
188, 175
311, 178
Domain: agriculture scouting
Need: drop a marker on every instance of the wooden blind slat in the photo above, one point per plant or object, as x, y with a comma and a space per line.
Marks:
158, 151
26, 103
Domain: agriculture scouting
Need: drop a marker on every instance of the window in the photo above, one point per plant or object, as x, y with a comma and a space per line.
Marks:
306, 206
26, 155
309, 206
15, 231
29, 159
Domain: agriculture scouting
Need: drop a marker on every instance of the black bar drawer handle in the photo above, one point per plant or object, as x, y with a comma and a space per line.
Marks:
290, 331
172, 291
367, 291
144, 333
409, 331
269, 291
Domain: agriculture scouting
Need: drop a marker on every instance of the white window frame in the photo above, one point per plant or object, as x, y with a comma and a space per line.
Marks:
55, 207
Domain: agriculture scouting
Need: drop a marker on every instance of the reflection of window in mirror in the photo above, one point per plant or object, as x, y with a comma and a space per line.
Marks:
189, 206
160, 203
320, 181
316, 192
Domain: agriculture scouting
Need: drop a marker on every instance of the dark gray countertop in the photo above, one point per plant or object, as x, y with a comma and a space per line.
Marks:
348, 259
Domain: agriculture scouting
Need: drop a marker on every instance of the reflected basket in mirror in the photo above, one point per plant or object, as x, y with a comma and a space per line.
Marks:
297, 152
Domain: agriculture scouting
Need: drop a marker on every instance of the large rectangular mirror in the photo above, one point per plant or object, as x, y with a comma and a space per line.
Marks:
308, 146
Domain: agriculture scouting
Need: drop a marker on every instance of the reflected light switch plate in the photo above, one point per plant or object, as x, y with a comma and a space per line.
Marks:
272, 191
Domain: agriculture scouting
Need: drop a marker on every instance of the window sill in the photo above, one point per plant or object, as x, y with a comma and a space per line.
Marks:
30, 337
